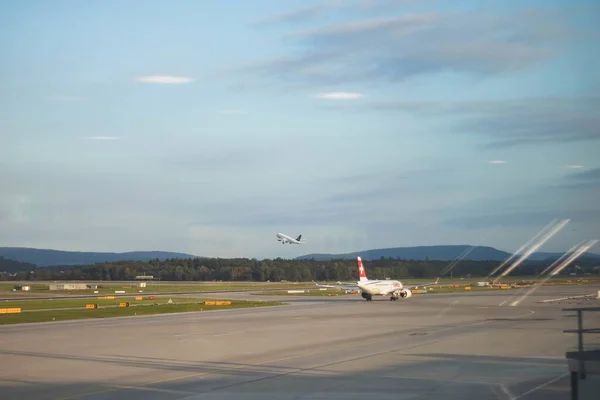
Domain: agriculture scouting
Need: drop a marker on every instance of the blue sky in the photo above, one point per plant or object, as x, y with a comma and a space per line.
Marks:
208, 126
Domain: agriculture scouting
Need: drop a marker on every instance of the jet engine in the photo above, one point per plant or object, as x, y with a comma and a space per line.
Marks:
405, 293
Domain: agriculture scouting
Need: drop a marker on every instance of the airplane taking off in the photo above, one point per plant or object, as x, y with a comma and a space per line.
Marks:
287, 239
370, 288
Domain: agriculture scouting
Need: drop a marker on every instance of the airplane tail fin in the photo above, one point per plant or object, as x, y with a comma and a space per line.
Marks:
362, 274
299, 238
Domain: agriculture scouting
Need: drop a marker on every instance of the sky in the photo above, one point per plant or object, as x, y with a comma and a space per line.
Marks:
207, 127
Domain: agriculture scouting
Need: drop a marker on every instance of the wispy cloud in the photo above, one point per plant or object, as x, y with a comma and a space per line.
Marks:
535, 120
496, 162
66, 98
394, 48
580, 180
300, 14
527, 218
575, 166
102, 138
164, 79
304, 14
402, 24
340, 96
592, 174
571, 196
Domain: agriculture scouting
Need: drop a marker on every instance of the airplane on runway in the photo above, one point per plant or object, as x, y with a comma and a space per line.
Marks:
370, 288
290, 240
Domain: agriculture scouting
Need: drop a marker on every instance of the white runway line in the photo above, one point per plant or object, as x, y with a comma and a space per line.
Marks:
228, 333
535, 389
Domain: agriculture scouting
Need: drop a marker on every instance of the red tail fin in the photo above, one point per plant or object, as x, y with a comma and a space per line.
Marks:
362, 274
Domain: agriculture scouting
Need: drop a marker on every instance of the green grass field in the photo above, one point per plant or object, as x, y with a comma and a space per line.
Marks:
507, 279
27, 305
6, 289
312, 292
111, 311
131, 288
442, 287
333, 292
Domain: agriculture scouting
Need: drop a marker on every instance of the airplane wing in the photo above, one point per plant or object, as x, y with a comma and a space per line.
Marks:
346, 283
415, 285
342, 286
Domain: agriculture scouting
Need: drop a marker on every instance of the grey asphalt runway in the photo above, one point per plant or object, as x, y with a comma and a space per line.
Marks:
454, 346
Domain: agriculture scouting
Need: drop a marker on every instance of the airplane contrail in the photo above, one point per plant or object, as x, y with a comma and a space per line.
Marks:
536, 246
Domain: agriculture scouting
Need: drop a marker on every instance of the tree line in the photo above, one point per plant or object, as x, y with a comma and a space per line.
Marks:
244, 269
10, 266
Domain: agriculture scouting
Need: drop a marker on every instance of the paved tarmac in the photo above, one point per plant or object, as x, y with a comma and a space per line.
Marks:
445, 346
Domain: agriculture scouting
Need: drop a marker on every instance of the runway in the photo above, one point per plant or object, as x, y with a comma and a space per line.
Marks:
445, 346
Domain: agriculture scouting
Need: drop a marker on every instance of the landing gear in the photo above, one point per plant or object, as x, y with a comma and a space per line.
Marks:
393, 298
366, 296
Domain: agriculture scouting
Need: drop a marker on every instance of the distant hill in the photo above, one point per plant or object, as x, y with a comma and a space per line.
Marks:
441, 253
46, 257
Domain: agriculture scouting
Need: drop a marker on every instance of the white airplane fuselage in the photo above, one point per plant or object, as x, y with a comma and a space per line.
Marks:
288, 239
375, 287
393, 288
370, 288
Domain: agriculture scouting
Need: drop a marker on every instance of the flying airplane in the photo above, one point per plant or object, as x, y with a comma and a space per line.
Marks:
370, 288
287, 239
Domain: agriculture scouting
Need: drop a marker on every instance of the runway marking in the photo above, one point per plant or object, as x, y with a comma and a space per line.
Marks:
90, 394
135, 319
519, 291
444, 311
540, 386
567, 298
177, 378
149, 389
228, 333
506, 391
189, 334
299, 370
354, 345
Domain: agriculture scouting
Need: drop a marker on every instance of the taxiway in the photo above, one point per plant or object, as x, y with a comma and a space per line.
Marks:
454, 346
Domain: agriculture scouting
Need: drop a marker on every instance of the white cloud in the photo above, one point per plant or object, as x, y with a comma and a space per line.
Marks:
497, 162
103, 138
164, 79
576, 166
66, 98
340, 96
232, 112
